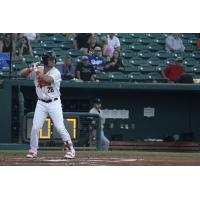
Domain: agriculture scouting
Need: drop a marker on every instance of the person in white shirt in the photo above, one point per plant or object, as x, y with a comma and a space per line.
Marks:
174, 43
97, 110
32, 36
113, 41
47, 80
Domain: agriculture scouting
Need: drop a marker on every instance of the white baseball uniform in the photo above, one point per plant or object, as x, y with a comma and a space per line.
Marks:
43, 109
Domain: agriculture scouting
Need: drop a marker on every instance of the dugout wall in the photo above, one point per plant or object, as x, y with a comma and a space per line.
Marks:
135, 111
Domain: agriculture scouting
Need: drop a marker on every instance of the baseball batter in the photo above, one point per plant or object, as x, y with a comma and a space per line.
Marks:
47, 83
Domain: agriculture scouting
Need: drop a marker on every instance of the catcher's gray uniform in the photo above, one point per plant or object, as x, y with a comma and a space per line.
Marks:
104, 141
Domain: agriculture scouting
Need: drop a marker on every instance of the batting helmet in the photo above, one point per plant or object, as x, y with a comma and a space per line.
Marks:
49, 55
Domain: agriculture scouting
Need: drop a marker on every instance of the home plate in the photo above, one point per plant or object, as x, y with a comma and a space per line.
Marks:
56, 160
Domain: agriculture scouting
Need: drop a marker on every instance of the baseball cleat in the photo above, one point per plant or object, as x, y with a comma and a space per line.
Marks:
31, 155
70, 155
70, 151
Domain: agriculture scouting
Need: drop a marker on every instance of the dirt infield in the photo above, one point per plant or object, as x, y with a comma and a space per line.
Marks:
93, 158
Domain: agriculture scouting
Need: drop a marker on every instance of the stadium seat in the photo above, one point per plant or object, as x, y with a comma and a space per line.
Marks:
138, 35
155, 47
190, 69
155, 61
138, 61
190, 47
19, 66
45, 38
155, 76
59, 38
193, 41
160, 40
38, 51
145, 54
190, 62
74, 52
66, 45
144, 40
162, 54
147, 69
77, 59
60, 58
170, 61
181, 54
127, 54
118, 76
30, 59
137, 77
138, 47
102, 76
127, 40
49, 45
59, 52
35, 45
123, 35
195, 54
131, 69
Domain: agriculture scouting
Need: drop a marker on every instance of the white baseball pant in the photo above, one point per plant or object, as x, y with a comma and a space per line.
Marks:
54, 110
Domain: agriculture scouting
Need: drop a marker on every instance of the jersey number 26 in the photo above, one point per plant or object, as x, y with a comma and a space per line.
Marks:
50, 89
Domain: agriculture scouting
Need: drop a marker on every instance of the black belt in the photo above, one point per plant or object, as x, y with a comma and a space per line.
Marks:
48, 101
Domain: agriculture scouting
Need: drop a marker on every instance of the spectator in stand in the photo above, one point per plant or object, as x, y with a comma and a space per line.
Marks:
32, 36
107, 50
25, 47
92, 43
6, 45
113, 41
173, 72
96, 59
198, 43
85, 71
173, 42
67, 69
115, 63
81, 40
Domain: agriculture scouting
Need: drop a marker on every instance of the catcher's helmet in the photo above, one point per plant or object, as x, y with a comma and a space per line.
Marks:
49, 55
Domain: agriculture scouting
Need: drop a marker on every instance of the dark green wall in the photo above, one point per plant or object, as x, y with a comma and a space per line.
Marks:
176, 107
5, 113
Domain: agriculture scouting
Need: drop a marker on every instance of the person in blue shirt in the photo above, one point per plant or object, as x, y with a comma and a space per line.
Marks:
67, 69
96, 59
